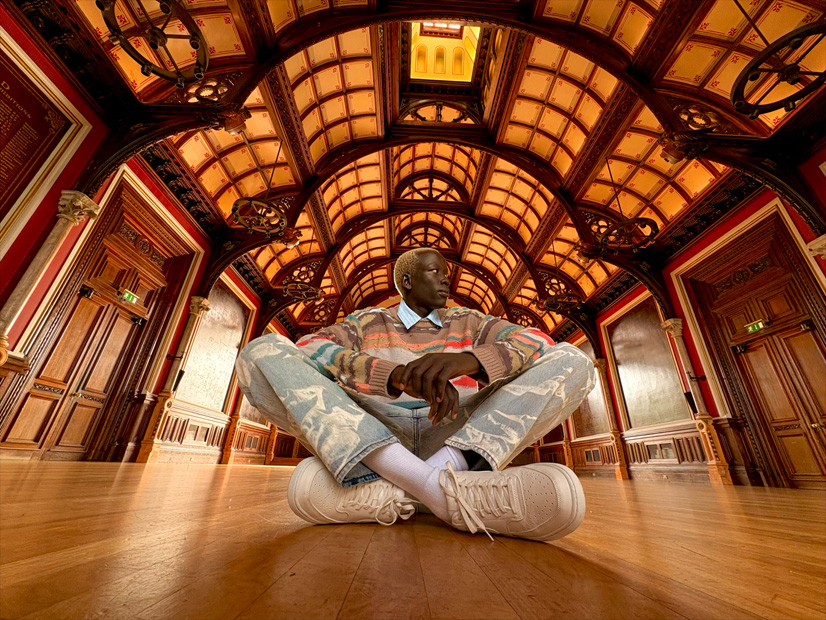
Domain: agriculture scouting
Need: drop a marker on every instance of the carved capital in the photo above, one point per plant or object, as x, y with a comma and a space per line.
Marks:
198, 305
600, 364
673, 327
74, 206
817, 247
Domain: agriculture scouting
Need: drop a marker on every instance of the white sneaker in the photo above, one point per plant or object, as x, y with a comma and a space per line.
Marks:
541, 501
315, 496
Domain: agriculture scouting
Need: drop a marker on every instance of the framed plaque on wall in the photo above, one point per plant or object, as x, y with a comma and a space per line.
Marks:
40, 130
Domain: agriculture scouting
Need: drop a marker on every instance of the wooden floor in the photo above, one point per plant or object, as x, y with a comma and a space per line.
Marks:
110, 541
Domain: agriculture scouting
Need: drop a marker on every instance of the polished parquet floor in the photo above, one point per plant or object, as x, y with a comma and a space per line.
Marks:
146, 542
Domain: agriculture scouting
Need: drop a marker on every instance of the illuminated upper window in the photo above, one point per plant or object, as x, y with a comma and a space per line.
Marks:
443, 51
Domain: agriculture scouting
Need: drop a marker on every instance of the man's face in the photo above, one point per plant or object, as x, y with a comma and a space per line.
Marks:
429, 282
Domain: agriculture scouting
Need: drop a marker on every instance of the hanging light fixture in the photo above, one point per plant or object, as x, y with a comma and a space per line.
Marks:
626, 235
265, 216
781, 60
158, 31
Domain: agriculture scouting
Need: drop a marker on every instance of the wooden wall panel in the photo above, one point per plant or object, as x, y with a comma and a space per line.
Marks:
591, 417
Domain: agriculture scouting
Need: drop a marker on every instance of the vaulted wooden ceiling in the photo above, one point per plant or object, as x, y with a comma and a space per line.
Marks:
548, 121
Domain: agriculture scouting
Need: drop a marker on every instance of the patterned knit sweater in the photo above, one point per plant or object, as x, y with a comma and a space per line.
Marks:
362, 350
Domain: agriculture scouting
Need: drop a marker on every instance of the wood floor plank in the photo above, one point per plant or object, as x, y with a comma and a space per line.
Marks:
457, 588
316, 586
388, 584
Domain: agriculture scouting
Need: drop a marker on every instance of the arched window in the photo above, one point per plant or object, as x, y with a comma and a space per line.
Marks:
421, 59
439, 61
458, 61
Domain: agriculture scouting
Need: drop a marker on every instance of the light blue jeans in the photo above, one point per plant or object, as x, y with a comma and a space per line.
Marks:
342, 426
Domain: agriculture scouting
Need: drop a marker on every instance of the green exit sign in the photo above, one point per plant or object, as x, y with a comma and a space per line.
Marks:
756, 326
128, 296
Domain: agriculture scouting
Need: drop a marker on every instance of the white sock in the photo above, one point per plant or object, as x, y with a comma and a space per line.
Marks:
398, 465
448, 453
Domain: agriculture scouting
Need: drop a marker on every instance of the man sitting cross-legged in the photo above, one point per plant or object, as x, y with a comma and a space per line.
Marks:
387, 400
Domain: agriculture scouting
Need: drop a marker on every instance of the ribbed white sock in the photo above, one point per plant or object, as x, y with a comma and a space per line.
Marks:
398, 465
448, 453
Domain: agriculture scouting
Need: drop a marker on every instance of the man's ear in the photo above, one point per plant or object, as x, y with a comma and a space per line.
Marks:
406, 284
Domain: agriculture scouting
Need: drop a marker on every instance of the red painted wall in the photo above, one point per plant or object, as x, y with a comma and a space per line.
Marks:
42, 220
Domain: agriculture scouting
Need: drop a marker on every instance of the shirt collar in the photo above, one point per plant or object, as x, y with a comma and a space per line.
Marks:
409, 317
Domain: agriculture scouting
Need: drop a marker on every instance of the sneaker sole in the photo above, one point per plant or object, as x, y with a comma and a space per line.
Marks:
305, 469
575, 504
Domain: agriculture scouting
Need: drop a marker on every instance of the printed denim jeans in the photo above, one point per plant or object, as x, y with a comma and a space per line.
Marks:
341, 426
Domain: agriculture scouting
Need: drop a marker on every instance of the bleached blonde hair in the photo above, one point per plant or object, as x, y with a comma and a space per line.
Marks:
405, 264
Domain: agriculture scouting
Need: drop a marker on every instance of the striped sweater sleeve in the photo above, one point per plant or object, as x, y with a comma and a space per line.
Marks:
336, 351
504, 349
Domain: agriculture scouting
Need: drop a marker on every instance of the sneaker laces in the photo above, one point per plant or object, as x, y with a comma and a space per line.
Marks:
380, 495
480, 497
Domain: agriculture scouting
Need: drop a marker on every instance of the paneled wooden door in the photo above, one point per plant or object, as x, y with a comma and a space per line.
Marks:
785, 372
64, 406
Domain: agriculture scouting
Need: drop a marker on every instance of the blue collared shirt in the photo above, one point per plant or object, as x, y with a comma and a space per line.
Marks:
409, 317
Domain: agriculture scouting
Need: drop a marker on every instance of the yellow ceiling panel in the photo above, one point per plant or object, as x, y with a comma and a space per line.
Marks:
577, 67
601, 16
304, 94
565, 95
338, 134
333, 110
364, 127
542, 145
635, 145
669, 202
327, 81
322, 53
226, 200
694, 62
361, 102
282, 12
566, 10
517, 135
632, 27
213, 178
553, 122
646, 183
259, 125
526, 111
588, 112
252, 185
238, 162
195, 152
358, 74
694, 178
574, 138
562, 161
603, 83
535, 84
355, 43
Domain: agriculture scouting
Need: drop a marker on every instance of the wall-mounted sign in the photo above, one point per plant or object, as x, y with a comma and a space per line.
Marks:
756, 326
128, 296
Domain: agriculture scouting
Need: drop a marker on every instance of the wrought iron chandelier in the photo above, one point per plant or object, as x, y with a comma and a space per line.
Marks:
171, 21
625, 235
265, 216
783, 59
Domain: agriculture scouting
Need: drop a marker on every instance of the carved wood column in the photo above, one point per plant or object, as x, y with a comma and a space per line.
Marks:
228, 451
150, 445
621, 467
72, 209
718, 467
271, 445
566, 446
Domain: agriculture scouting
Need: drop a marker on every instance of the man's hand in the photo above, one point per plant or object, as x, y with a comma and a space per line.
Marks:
429, 378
